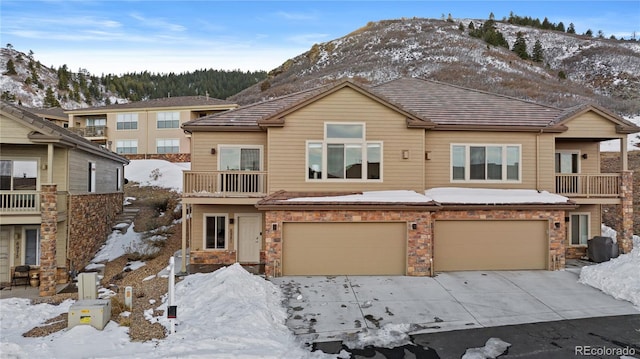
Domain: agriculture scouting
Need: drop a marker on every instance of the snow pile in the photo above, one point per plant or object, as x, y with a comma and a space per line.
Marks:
400, 196
492, 196
492, 349
618, 277
157, 173
389, 336
609, 232
118, 244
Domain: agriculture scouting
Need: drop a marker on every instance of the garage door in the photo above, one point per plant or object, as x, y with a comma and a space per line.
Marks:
490, 245
344, 248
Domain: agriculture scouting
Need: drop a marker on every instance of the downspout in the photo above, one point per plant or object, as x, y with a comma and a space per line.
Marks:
183, 252
538, 160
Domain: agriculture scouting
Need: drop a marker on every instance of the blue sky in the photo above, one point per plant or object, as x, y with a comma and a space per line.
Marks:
120, 36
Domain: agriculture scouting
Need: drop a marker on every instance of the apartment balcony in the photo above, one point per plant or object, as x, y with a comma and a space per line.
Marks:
224, 184
91, 132
599, 188
19, 202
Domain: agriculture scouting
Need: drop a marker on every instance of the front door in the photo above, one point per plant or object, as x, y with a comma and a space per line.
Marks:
567, 165
5, 235
249, 237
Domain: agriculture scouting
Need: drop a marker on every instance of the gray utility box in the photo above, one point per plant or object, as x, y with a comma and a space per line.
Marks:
96, 312
88, 285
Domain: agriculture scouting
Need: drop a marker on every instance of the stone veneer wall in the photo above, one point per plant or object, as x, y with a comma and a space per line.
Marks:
48, 237
419, 242
224, 257
556, 235
171, 157
625, 234
91, 217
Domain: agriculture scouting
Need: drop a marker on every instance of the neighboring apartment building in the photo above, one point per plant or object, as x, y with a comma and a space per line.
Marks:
59, 196
409, 177
145, 129
56, 115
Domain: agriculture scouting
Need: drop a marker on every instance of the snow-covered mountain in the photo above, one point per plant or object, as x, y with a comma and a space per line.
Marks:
575, 68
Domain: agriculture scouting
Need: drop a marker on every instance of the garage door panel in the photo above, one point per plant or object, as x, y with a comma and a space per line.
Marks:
490, 245
344, 248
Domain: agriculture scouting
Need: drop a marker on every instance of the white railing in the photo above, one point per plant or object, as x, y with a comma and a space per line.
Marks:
588, 185
19, 202
225, 182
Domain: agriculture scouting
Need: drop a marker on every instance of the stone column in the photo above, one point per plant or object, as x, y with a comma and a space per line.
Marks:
625, 232
48, 234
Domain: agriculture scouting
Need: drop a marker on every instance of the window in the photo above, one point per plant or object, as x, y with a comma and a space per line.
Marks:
17, 175
579, 229
118, 179
91, 178
96, 122
127, 121
168, 120
127, 146
344, 154
32, 246
168, 145
567, 162
215, 231
485, 163
240, 158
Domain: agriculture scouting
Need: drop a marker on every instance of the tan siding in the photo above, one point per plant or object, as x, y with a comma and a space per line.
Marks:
32, 152
197, 222
203, 142
589, 165
439, 144
140, 134
60, 171
590, 125
595, 212
546, 163
13, 132
61, 244
287, 145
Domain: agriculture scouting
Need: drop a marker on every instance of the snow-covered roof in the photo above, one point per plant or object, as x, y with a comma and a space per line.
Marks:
452, 195
400, 196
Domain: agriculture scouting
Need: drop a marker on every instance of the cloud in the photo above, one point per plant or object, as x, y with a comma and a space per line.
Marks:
158, 23
298, 16
308, 39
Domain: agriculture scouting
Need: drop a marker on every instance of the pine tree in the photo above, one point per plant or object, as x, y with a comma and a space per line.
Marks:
520, 46
560, 26
588, 33
11, 68
538, 52
50, 99
450, 18
571, 29
461, 27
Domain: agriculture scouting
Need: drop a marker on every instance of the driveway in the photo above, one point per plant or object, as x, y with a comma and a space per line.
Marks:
330, 308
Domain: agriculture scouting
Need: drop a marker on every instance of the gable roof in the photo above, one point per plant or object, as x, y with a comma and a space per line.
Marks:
44, 131
51, 112
622, 125
165, 102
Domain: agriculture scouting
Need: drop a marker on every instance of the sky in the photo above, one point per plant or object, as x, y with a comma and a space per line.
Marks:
162, 36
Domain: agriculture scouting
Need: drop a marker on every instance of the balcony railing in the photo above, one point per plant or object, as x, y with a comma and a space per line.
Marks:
225, 183
21, 202
90, 131
603, 185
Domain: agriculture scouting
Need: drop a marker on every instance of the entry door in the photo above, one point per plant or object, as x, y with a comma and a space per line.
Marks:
249, 238
567, 163
5, 235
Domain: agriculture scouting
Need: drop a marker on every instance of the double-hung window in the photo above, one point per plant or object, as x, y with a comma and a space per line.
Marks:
127, 146
168, 145
215, 231
345, 154
486, 163
127, 121
168, 120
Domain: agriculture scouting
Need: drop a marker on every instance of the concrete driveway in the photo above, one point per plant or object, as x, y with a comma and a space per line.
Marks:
330, 308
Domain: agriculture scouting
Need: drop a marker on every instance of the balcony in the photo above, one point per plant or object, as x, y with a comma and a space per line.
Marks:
225, 184
19, 202
602, 185
90, 131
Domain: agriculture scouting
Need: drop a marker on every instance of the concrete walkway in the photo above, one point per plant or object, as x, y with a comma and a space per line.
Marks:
330, 308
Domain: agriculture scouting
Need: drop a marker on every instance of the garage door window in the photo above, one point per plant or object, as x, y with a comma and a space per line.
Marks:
344, 154
215, 231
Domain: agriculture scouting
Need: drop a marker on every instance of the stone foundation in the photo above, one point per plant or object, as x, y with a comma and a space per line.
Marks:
418, 246
91, 217
223, 257
171, 157
576, 252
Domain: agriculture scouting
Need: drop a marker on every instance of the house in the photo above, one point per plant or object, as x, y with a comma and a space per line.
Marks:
59, 196
145, 129
56, 115
409, 177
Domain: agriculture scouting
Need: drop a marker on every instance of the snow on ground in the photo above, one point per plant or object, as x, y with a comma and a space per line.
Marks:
493, 348
119, 243
492, 196
614, 145
158, 173
618, 277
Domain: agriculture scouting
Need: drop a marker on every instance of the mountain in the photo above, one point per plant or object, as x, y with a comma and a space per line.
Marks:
574, 68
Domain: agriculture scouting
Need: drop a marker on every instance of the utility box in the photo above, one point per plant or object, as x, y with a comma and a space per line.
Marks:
88, 286
96, 312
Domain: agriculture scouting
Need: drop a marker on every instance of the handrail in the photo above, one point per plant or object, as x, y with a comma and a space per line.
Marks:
588, 185
225, 182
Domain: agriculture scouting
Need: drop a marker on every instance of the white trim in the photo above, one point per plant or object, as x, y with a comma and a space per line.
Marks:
236, 230
204, 230
365, 154
576, 152
467, 163
25, 159
122, 118
23, 245
570, 228
346, 140
92, 177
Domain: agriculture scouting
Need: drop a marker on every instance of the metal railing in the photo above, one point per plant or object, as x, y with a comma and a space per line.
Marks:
589, 185
249, 183
90, 131
19, 202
